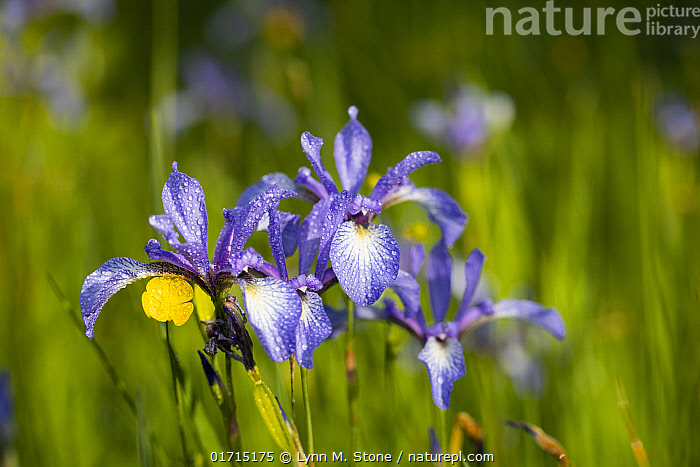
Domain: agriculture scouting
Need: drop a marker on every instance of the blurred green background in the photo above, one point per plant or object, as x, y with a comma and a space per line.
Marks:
586, 200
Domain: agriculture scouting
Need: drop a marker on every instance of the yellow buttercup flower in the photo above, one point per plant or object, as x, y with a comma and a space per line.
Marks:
168, 298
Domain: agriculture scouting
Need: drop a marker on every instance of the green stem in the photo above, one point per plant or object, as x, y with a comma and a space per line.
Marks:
351, 376
232, 428
231, 418
178, 395
291, 386
389, 380
307, 409
444, 442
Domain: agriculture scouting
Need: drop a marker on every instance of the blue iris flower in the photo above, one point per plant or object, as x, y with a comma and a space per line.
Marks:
312, 325
442, 351
274, 305
364, 256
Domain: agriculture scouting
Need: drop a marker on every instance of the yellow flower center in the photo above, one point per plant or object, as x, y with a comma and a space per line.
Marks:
168, 298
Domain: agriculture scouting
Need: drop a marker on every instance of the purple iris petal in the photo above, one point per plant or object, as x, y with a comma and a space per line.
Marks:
274, 233
444, 359
417, 258
308, 281
439, 280
352, 152
312, 148
441, 208
116, 274
472, 273
548, 319
164, 225
334, 217
363, 203
328, 276
264, 184
183, 202
223, 249
246, 220
408, 291
289, 225
365, 259
309, 235
314, 327
394, 175
305, 179
274, 308
241, 222
338, 319
237, 262
414, 325
197, 255
474, 316
155, 253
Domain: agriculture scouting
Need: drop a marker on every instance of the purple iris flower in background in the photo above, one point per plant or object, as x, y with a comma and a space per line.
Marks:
679, 123
442, 351
274, 307
364, 256
43, 70
465, 120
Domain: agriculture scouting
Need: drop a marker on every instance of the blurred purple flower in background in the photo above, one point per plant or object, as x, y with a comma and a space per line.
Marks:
215, 90
222, 81
679, 123
517, 349
466, 120
66, 61
18, 14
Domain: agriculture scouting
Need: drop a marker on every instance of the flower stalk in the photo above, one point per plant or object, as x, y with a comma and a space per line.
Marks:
307, 410
176, 373
351, 376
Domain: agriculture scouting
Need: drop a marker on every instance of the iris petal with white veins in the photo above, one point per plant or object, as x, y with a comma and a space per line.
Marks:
116, 274
445, 363
365, 260
273, 309
314, 327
